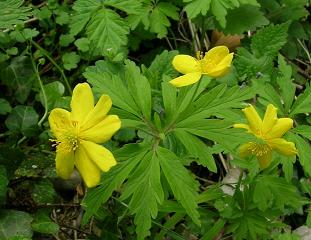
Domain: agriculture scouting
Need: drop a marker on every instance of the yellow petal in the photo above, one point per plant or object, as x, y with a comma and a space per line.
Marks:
242, 125
186, 80
64, 164
281, 126
245, 149
216, 54
282, 146
101, 156
102, 131
59, 121
222, 68
186, 64
82, 102
254, 120
98, 113
270, 118
264, 159
88, 170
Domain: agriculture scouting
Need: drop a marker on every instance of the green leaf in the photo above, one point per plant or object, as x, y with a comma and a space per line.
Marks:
197, 148
43, 224
266, 91
252, 225
214, 101
236, 23
84, 9
269, 192
53, 91
139, 88
15, 223
286, 85
5, 106
303, 130
302, 103
219, 8
169, 99
160, 66
43, 192
128, 6
127, 157
22, 119
3, 183
106, 81
195, 7
70, 60
107, 31
18, 76
275, 35
83, 44
146, 190
304, 151
247, 64
183, 186
66, 39
215, 229
12, 13
159, 21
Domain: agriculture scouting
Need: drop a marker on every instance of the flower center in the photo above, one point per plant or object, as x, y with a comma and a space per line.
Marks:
205, 64
259, 149
68, 141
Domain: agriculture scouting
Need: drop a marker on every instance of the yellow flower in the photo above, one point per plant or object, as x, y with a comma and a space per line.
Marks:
78, 133
269, 132
215, 63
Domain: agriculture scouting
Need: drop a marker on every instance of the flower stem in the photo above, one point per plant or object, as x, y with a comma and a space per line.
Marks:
54, 63
45, 101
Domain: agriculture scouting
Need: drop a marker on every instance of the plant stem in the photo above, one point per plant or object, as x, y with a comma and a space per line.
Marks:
45, 101
54, 63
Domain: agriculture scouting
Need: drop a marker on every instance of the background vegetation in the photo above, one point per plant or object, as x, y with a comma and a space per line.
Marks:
178, 175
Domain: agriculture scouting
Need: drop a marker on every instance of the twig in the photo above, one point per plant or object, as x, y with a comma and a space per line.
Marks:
223, 161
305, 49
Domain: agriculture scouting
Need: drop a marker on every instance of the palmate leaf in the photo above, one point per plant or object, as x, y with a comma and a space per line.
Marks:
104, 82
12, 12
159, 21
107, 31
302, 103
269, 193
236, 23
104, 28
219, 8
197, 148
183, 186
275, 35
214, 101
304, 151
128, 157
146, 190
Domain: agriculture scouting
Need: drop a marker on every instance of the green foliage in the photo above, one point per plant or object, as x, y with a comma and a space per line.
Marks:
260, 60
219, 9
22, 119
269, 193
43, 224
12, 12
15, 224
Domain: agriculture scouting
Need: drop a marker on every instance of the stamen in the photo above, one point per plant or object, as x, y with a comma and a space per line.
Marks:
260, 149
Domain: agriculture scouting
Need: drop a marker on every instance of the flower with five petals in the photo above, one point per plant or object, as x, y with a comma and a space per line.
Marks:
269, 132
79, 132
215, 63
